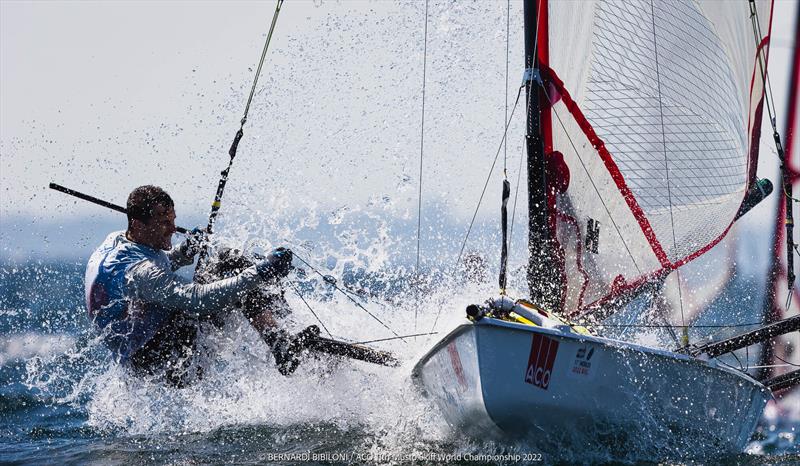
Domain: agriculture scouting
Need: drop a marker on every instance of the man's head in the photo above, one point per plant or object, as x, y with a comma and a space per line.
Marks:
151, 217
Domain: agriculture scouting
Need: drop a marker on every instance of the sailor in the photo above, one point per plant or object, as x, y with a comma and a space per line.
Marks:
150, 316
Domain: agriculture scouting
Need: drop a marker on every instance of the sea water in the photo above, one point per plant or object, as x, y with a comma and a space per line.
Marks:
63, 400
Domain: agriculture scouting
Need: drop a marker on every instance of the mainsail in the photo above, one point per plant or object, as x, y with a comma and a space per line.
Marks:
642, 140
656, 108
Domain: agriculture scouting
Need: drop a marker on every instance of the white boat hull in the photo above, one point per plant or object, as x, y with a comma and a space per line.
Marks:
501, 379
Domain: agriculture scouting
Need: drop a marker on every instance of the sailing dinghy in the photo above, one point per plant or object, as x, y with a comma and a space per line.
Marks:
643, 127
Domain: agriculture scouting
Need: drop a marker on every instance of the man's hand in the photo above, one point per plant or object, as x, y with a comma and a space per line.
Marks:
277, 264
193, 242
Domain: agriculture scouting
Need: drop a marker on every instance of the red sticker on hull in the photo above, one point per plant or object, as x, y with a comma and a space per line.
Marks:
540, 362
455, 360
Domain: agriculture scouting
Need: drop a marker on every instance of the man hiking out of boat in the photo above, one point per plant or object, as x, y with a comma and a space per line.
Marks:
150, 316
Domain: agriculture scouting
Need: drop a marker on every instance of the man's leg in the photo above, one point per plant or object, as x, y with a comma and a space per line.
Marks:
172, 352
261, 308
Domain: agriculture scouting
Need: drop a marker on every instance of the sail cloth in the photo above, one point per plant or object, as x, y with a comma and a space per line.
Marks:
656, 108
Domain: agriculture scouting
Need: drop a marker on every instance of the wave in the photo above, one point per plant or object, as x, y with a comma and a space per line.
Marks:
23, 346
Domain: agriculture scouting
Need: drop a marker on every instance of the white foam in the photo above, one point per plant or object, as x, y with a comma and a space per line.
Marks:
22, 346
242, 385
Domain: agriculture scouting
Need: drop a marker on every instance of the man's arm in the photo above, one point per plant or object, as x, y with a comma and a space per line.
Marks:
151, 283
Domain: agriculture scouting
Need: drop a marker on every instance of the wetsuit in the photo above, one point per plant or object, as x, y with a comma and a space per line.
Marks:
147, 312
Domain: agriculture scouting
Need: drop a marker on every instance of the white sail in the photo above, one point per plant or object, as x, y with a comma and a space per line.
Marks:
650, 141
656, 111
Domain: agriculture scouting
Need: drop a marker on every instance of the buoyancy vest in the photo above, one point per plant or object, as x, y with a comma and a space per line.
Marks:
127, 324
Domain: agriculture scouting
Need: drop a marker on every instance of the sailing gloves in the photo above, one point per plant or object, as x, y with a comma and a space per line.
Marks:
286, 348
277, 264
193, 243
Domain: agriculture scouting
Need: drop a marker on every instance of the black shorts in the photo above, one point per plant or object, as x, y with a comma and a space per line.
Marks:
171, 352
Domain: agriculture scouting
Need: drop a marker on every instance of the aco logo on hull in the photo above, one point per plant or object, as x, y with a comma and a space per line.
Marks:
540, 362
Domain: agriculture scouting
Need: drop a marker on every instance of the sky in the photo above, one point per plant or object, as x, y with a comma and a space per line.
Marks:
104, 96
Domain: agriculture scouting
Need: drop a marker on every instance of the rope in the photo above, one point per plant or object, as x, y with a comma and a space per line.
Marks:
261, 62
215, 206
757, 35
394, 338
785, 361
480, 200
421, 146
333, 283
685, 335
508, 27
310, 309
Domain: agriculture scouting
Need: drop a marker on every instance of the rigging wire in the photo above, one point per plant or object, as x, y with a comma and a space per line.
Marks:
480, 200
770, 366
789, 299
299, 295
764, 366
421, 146
785, 361
310, 309
524, 146
394, 338
731, 366
516, 196
261, 62
503, 279
508, 26
333, 283
345, 288
757, 35
217, 203
747, 355
741, 366
769, 98
597, 191
489, 176
505, 133
685, 336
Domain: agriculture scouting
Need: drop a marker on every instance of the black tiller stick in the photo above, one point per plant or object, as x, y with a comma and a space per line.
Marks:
99, 202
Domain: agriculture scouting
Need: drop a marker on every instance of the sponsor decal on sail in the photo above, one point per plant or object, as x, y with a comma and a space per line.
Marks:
540, 363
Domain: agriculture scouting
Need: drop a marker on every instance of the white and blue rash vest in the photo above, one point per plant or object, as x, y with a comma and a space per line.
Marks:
132, 290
